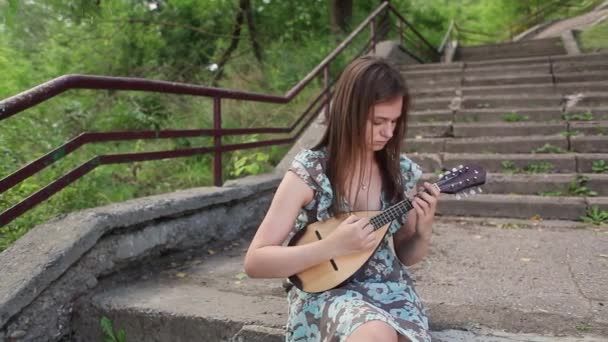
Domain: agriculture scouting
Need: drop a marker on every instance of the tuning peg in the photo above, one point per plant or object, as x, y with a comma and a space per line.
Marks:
479, 189
472, 192
458, 197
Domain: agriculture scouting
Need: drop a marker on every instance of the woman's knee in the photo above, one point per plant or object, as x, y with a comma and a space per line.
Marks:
373, 331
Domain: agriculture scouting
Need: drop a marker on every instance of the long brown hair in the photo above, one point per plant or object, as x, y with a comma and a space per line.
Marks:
365, 82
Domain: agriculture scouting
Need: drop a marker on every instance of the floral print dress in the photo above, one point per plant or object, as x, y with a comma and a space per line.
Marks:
381, 290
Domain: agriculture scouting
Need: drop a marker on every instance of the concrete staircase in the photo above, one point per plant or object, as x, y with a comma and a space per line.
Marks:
488, 272
529, 48
537, 124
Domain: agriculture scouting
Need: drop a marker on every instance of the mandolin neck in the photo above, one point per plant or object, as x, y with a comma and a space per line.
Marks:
390, 214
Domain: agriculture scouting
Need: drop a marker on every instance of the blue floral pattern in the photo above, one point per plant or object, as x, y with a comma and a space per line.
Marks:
381, 290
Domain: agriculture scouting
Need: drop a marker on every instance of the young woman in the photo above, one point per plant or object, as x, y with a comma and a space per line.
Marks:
357, 166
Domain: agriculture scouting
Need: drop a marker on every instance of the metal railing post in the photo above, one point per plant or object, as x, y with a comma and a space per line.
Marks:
217, 141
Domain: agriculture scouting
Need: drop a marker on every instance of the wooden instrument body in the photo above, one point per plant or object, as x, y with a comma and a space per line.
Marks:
332, 273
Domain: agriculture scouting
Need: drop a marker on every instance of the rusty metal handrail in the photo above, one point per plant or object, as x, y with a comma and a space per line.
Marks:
50, 89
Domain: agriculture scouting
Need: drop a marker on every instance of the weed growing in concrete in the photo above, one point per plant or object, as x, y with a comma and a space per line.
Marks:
108, 330
570, 133
515, 117
538, 167
578, 187
509, 167
548, 148
595, 216
584, 116
599, 166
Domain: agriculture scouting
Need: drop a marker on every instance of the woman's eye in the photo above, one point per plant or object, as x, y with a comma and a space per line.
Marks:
377, 123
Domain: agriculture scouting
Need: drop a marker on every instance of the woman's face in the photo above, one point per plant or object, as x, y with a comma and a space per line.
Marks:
381, 122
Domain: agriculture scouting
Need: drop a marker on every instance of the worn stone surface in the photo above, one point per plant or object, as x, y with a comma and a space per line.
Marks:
521, 276
42, 305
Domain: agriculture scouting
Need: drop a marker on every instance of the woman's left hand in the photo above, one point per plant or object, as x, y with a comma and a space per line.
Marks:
425, 204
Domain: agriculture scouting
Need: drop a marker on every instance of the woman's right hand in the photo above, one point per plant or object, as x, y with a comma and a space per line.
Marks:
355, 234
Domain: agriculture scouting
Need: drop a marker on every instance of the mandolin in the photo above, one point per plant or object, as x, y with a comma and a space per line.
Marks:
334, 272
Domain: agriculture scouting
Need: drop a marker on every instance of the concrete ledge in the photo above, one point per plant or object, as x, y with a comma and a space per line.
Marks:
60, 260
570, 43
517, 206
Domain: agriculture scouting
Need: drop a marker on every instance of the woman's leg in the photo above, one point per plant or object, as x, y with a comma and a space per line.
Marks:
373, 331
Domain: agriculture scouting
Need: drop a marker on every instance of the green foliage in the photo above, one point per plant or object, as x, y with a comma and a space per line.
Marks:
595, 215
509, 166
515, 117
599, 166
538, 167
532, 168
548, 148
584, 116
108, 331
576, 187
173, 41
595, 38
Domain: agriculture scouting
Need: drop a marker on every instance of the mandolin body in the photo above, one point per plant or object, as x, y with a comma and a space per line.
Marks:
331, 273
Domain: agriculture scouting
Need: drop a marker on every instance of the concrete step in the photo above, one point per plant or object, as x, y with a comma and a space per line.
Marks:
581, 87
446, 82
208, 297
418, 93
431, 73
529, 48
517, 163
589, 127
427, 104
578, 66
465, 55
432, 129
590, 76
508, 129
430, 116
525, 144
492, 80
517, 69
519, 89
583, 58
515, 206
513, 101
529, 90
555, 185
586, 113
589, 144
431, 66
552, 114
588, 99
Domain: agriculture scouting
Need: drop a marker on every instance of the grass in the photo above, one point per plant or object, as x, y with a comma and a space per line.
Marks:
594, 38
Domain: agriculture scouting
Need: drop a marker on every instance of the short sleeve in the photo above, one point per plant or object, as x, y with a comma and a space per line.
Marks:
410, 171
307, 166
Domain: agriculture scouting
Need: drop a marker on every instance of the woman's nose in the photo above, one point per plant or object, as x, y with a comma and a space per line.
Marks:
387, 131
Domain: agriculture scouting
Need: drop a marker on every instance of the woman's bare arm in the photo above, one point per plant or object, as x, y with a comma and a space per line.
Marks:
266, 257
409, 246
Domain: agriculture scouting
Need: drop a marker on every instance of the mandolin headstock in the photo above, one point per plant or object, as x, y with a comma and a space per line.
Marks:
462, 179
